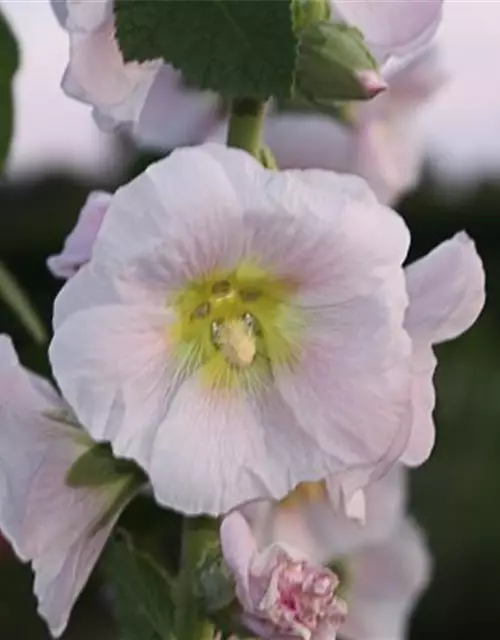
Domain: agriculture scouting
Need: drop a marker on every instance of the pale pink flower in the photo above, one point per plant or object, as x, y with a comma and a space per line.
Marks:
149, 98
59, 529
78, 245
386, 562
381, 143
245, 319
283, 595
397, 27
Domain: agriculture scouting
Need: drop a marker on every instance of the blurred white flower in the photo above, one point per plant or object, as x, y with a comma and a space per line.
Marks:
60, 529
247, 319
397, 27
78, 245
381, 144
149, 98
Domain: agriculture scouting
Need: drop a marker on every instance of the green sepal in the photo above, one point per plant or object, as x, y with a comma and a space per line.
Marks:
341, 567
234, 47
331, 57
142, 591
97, 467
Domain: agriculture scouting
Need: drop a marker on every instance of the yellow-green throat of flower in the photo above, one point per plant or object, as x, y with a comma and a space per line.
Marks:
232, 326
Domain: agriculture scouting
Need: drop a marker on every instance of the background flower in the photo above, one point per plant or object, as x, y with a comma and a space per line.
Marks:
383, 565
380, 143
78, 245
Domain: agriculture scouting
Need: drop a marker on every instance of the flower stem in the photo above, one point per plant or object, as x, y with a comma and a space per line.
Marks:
189, 621
246, 124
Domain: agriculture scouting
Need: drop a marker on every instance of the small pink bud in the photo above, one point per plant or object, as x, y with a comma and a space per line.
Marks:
282, 593
373, 83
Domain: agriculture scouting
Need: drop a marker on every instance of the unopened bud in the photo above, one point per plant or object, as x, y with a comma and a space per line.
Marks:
334, 64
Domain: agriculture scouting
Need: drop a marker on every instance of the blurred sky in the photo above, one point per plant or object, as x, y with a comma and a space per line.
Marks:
461, 126
51, 131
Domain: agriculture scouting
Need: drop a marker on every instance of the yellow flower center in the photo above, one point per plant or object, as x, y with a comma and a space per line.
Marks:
233, 326
305, 492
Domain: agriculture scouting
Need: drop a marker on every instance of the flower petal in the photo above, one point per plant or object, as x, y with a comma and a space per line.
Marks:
124, 376
387, 581
238, 549
47, 522
323, 533
333, 239
203, 224
423, 431
78, 245
246, 446
174, 115
392, 28
355, 401
446, 290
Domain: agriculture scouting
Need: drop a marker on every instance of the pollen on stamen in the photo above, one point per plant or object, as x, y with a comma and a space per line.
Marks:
236, 340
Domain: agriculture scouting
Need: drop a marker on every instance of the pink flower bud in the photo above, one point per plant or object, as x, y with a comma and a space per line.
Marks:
282, 593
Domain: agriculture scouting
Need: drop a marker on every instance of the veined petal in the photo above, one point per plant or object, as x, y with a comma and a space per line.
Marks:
123, 378
355, 403
332, 247
446, 289
203, 222
246, 445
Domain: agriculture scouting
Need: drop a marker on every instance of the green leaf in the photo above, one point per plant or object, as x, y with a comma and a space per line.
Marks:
235, 47
141, 590
9, 62
16, 299
97, 466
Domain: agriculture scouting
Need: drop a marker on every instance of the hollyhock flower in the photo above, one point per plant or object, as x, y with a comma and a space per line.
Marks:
149, 98
381, 143
247, 319
383, 564
391, 28
283, 594
60, 529
78, 245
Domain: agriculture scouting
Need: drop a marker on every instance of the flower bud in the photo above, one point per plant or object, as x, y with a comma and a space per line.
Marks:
334, 64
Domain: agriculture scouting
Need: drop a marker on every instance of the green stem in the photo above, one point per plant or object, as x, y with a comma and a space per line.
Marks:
246, 124
189, 622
